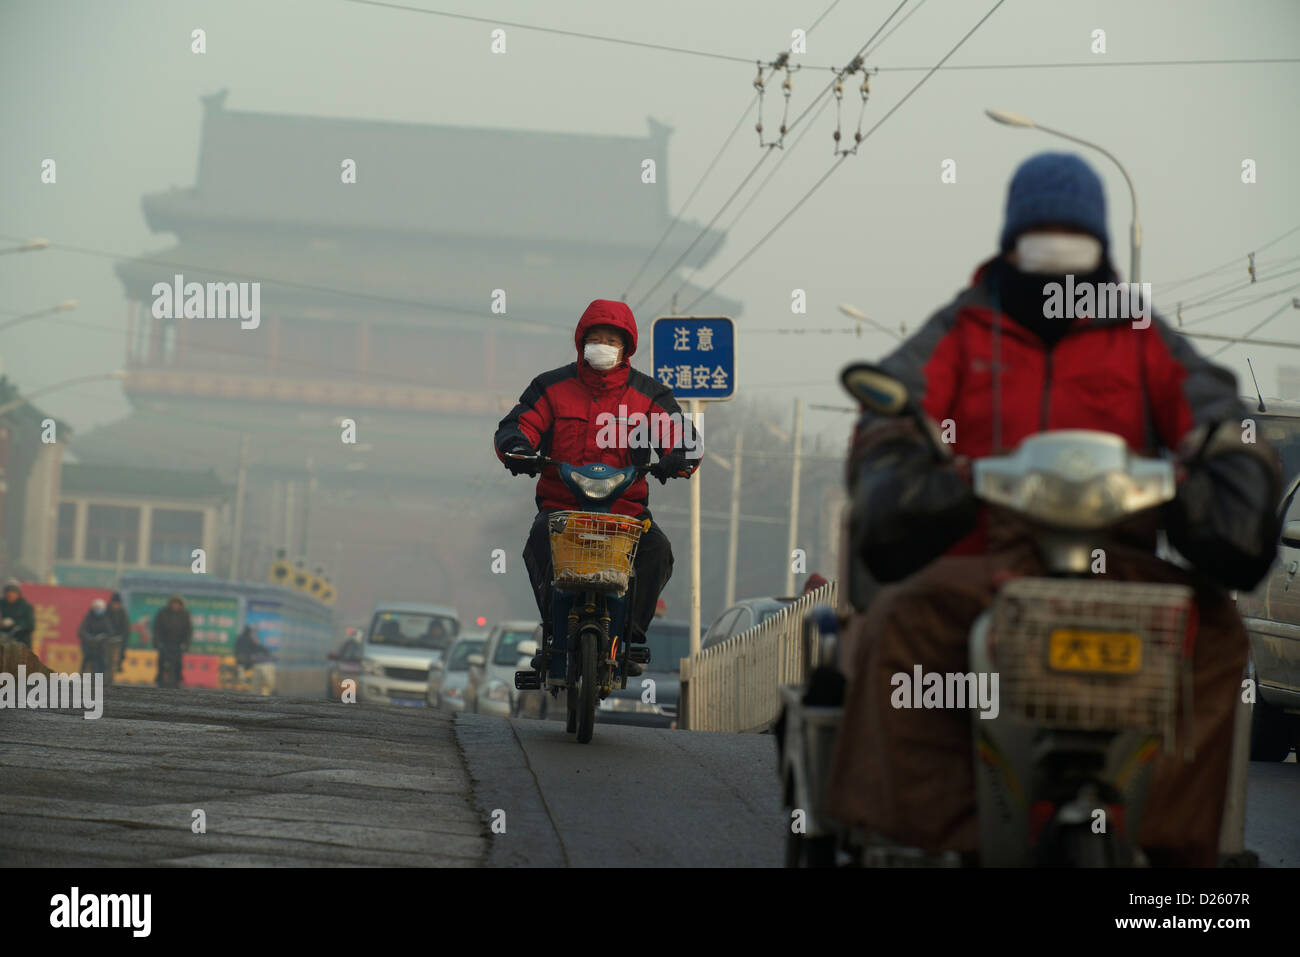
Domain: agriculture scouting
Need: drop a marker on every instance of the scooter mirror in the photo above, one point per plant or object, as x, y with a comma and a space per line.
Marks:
876, 390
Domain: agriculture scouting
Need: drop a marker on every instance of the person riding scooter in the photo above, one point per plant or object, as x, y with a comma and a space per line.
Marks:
566, 413
990, 369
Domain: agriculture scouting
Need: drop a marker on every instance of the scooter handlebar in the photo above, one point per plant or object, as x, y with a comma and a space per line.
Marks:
530, 457
540, 459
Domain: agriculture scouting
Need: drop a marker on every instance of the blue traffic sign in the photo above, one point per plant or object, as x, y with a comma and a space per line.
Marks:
695, 356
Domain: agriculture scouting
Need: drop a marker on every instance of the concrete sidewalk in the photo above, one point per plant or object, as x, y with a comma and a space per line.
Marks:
281, 781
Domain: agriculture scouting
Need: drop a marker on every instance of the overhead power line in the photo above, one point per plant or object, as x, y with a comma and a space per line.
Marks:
1237, 287
1245, 336
1091, 63
708, 170
762, 159
834, 166
711, 55
1234, 261
682, 211
662, 47
1244, 305
785, 154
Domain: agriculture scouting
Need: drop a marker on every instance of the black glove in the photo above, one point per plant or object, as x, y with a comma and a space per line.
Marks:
669, 466
908, 508
516, 466
1224, 519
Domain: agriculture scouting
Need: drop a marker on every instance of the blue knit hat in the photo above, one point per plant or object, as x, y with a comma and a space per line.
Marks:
1055, 188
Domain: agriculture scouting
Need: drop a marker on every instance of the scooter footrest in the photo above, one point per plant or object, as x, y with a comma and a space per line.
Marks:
640, 654
527, 681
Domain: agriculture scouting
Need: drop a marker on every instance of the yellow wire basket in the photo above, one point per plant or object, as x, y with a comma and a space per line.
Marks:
594, 551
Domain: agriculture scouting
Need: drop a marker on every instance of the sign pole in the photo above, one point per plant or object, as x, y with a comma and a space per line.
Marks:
694, 406
695, 356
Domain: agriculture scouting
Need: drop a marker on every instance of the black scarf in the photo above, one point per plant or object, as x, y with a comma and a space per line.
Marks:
1021, 296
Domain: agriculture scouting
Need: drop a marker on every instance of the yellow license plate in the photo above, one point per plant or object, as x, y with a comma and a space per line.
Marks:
1095, 652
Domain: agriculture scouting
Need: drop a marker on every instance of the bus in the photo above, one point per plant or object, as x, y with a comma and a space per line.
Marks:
295, 628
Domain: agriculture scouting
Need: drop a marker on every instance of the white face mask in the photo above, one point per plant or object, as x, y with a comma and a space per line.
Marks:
1058, 253
600, 357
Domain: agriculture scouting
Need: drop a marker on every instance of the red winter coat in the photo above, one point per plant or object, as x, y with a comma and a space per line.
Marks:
1146, 385
558, 414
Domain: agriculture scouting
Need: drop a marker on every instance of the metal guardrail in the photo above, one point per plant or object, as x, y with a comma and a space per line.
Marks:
735, 686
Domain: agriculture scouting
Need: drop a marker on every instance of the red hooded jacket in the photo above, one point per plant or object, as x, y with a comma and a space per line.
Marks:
569, 414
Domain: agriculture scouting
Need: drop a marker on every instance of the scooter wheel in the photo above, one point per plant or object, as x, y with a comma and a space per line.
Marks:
590, 678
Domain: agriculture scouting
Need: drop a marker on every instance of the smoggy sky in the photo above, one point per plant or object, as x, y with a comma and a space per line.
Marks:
110, 90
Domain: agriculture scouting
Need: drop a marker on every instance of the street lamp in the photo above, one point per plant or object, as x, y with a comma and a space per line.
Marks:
853, 312
32, 245
15, 403
1135, 228
65, 306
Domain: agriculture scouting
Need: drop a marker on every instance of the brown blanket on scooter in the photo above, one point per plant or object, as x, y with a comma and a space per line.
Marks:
908, 773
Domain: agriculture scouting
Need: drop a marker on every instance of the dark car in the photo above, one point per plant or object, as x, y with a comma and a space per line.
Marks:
1272, 611
344, 663
650, 699
742, 616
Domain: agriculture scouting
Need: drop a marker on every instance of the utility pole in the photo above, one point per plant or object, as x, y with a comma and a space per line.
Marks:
287, 538
795, 446
734, 543
240, 483
306, 506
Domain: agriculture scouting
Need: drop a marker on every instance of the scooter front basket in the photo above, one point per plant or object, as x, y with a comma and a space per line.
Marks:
593, 551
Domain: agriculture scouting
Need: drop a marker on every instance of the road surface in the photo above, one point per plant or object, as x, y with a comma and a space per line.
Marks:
280, 781
283, 781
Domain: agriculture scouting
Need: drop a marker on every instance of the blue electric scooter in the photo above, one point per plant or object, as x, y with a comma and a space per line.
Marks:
591, 554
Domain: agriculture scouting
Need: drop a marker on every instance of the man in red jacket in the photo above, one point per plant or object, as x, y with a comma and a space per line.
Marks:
569, 414
999, 363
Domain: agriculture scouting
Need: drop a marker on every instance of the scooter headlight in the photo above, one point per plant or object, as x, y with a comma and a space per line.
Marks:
1095, 502
599, 488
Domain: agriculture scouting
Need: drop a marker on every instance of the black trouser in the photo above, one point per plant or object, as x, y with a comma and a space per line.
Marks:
169, 664
653, 567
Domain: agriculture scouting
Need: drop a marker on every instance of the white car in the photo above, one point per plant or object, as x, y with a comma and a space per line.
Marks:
404, 639
449, 679
492, 673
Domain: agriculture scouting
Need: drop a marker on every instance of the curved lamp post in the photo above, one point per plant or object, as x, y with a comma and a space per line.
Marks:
23, 400
32, 245
65, 306
1135, 228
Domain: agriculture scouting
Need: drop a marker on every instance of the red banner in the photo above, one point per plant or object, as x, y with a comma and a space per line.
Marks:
59, 610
